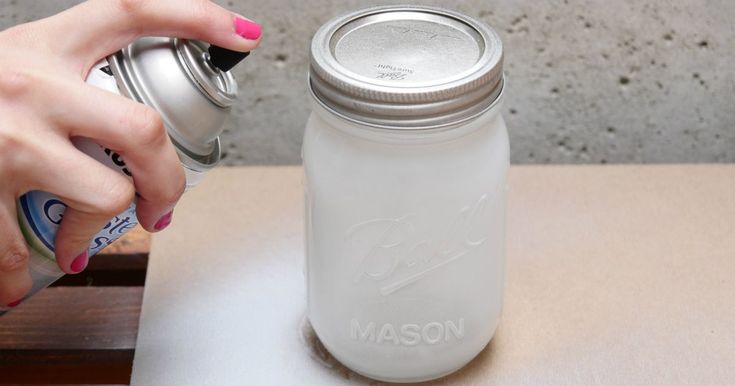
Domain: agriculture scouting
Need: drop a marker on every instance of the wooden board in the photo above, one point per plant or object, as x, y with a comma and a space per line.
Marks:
83, 328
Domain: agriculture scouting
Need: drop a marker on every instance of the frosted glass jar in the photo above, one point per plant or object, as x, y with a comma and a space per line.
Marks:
405, 201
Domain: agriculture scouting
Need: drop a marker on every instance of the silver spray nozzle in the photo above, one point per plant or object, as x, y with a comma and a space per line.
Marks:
193, 103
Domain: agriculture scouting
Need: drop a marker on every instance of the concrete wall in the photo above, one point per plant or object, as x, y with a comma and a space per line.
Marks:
588, 81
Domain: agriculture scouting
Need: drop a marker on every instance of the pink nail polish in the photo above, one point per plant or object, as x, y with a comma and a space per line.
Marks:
247, 29
80, 262
15, 303
164, 221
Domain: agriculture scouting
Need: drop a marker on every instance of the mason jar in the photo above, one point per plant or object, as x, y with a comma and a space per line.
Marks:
405, 157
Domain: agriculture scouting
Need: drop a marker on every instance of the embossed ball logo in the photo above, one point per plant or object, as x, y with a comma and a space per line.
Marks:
395, 254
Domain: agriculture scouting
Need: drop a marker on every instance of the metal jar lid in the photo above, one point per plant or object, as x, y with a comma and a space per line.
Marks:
406, 67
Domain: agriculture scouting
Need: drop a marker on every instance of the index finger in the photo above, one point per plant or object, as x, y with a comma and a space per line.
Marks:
97, 28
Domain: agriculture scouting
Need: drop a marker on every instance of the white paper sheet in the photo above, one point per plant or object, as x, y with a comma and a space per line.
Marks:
615, 275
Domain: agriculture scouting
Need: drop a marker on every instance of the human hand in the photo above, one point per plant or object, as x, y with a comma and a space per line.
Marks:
44, 102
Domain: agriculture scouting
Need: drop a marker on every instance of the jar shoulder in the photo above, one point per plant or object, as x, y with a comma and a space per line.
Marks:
320, 124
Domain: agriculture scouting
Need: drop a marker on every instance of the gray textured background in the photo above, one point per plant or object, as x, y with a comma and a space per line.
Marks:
588, 81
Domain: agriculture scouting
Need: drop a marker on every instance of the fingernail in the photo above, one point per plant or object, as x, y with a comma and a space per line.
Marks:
15, 303
247, 29
80, 262
164, 221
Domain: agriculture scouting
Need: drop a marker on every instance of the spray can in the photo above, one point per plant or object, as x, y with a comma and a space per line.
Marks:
188, 82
